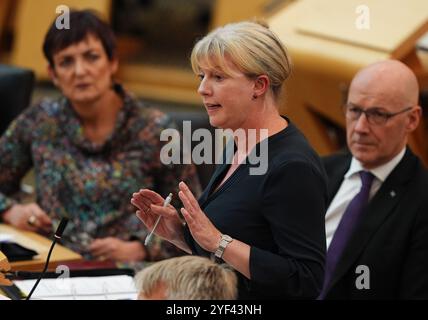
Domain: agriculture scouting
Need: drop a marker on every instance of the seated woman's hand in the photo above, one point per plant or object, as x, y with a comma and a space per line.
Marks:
28, 217
203, 231
150, 205
117, 250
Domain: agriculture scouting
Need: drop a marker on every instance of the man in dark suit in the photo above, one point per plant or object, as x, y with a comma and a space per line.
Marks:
377, 219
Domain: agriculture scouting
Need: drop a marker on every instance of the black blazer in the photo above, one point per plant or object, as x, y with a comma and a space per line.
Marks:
391, 238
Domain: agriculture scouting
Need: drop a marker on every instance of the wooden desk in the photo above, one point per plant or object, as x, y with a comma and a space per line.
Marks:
40, 244
327, 50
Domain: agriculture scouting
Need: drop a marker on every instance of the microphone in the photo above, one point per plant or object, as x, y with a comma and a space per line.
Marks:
57, 236
61, 228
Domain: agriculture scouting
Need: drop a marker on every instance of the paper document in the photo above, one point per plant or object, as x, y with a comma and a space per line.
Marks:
82, 288
5, 237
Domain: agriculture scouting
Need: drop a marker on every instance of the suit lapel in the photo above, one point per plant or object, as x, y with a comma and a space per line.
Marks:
379, 208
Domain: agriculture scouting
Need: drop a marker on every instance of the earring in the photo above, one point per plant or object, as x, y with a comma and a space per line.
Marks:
254, 96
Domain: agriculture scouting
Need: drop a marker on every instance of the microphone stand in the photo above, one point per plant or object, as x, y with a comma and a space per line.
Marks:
57, 236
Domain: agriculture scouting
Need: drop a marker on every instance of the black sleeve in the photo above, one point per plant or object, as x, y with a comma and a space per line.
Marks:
294, 204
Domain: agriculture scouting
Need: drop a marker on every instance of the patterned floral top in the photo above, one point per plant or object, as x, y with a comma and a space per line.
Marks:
89, 183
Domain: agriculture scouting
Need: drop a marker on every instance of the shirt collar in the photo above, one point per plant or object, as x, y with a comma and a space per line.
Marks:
381, 172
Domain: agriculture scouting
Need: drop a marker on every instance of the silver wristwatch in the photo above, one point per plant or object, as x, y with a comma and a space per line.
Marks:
224, 242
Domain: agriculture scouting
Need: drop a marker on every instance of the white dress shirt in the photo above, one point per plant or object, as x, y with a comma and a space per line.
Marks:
350, 187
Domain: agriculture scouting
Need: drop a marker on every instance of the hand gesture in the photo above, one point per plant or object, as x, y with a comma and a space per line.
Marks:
203, 231
150, 205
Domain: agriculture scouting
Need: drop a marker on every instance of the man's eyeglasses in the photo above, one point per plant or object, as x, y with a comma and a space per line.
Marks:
374, 116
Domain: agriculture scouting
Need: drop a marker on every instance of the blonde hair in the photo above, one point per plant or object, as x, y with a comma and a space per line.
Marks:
251, 46
189, 278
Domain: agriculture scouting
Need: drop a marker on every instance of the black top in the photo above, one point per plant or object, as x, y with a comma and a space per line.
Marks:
280, 214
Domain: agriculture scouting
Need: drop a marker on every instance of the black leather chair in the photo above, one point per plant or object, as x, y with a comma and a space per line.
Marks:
16, 87
198, 120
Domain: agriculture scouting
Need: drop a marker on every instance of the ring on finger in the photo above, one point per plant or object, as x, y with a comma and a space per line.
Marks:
32, 220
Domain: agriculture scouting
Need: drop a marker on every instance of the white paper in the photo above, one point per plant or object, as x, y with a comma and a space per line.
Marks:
82, 288
4, 297
5, 237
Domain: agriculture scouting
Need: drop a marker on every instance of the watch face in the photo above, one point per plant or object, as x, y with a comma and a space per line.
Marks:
227, 238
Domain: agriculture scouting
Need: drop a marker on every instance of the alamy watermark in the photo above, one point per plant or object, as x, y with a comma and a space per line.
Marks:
63, 20
216, 148
362, 22
363, 280
63, 280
